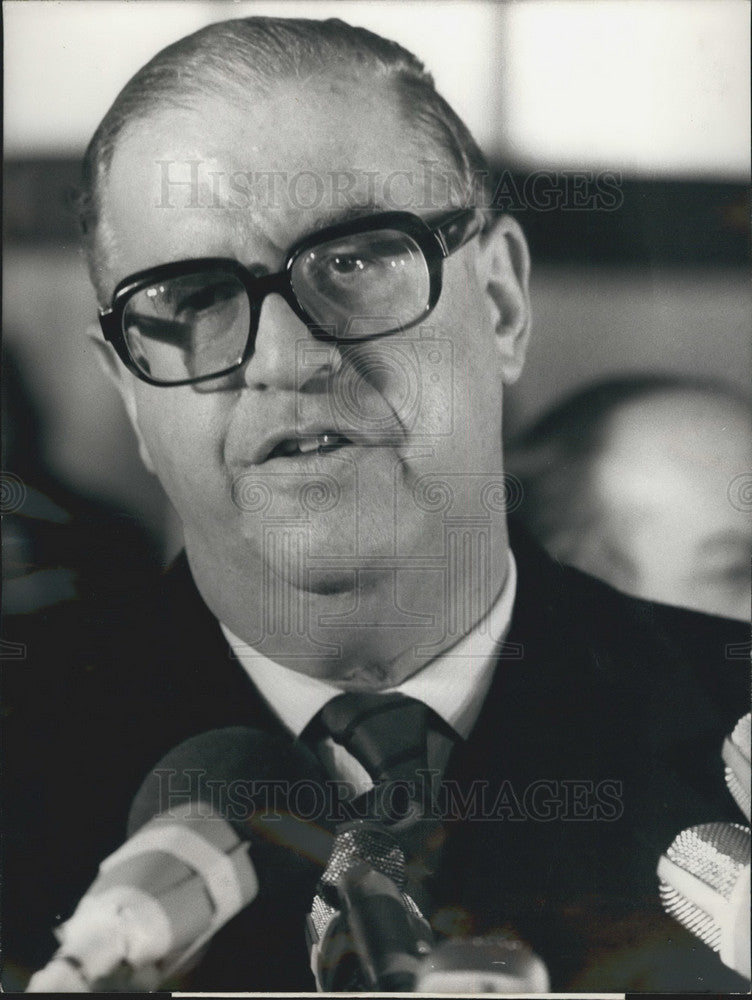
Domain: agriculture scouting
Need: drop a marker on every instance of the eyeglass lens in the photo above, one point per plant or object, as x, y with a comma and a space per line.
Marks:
363, 285
188, 326
355, 287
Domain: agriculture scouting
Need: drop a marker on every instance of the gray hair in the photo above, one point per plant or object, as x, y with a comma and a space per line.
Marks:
258, 52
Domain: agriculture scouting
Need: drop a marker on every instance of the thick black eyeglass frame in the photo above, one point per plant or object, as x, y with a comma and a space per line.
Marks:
436, 240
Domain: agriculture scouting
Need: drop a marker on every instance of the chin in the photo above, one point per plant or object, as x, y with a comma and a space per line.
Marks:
322, 555
364, 678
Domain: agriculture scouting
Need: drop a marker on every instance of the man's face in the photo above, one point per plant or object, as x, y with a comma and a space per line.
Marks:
408, 411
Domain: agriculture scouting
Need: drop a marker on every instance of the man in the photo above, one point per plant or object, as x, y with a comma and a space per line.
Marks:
318, 386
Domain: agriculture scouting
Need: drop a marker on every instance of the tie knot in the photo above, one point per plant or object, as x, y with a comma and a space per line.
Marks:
386, 733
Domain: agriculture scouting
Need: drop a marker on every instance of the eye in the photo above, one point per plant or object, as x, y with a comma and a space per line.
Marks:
206, 298
145, 327
345, 265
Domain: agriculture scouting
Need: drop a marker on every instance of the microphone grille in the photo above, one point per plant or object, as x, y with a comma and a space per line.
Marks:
736, 754
742, 734
359, 843
369, 844
713, 852
716, 854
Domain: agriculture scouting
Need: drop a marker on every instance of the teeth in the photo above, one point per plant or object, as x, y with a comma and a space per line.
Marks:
287, 448
304, 446
329, 441
310, 445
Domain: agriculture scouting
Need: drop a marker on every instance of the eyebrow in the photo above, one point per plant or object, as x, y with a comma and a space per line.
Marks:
352, 212
325, 220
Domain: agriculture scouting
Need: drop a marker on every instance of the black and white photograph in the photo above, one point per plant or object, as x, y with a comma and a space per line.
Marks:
376, 494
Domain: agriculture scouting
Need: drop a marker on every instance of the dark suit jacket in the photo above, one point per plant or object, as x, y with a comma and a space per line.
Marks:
598, 742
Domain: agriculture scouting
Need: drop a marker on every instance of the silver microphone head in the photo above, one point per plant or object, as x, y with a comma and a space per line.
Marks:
704, 884
370, 843
361, 843
736, 754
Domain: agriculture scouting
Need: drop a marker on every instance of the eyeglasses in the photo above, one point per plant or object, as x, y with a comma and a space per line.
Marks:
194, 320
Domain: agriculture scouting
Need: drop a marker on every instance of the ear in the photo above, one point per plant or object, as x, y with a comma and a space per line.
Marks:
124, 383
506, 272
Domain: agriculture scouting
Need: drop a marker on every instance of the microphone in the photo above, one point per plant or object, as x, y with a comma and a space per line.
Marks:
736, 755
705, 885
364, 930
185, 869
482, 965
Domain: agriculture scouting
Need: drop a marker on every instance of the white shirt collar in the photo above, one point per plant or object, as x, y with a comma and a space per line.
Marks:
454, 684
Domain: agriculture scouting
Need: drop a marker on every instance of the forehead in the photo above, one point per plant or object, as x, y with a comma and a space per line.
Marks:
253, 173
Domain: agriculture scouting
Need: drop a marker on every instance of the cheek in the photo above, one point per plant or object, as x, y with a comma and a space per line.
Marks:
183, 438
466, 311
467, 323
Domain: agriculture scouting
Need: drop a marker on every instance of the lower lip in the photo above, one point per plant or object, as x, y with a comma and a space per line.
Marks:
276, 483
344, 455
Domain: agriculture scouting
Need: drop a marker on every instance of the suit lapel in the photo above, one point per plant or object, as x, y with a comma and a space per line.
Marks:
205, 675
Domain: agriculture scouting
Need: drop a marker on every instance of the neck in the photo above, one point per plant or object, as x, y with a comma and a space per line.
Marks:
372, 628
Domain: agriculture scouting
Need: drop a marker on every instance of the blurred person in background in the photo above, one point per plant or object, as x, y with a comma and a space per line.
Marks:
58, 546
640, 482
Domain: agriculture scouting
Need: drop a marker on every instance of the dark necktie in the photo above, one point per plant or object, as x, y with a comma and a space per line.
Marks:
394, 738
388, 734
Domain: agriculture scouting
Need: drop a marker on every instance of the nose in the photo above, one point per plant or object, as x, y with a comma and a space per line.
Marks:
281, 358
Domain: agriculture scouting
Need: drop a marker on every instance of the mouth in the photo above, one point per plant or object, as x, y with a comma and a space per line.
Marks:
318, 445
